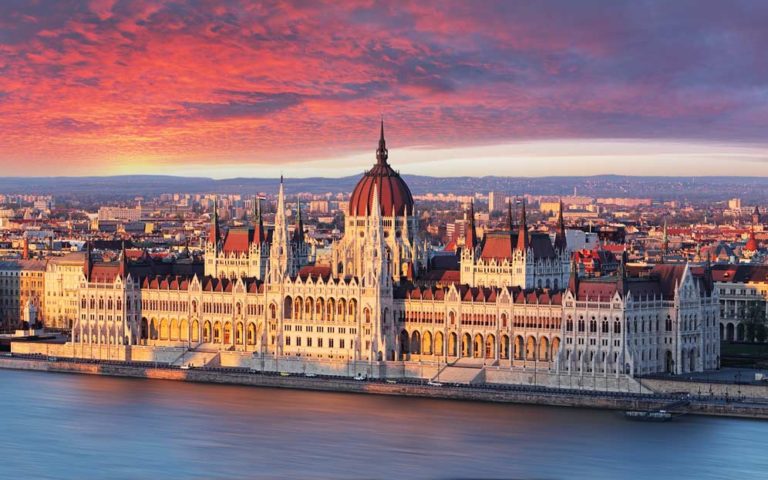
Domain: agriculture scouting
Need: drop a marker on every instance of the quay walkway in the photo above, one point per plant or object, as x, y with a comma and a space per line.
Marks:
503, 393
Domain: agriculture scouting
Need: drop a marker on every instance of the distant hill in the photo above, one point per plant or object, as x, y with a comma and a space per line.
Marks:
660, 188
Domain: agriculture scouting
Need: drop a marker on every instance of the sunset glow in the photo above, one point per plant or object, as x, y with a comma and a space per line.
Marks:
227, 89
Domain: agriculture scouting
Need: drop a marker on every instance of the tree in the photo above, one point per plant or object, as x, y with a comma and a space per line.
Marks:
754, 322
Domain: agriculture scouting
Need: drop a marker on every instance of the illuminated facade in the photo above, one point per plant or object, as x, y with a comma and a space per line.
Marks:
515, 302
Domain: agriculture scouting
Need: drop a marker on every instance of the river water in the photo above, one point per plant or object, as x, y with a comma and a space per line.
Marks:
78, 426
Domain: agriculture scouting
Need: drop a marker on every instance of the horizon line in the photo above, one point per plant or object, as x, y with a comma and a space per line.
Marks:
277, 178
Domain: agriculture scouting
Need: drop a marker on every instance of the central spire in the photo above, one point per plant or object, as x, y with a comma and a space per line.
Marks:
381, 152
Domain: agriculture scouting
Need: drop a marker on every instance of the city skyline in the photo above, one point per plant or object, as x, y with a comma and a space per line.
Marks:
229, 90
383, 238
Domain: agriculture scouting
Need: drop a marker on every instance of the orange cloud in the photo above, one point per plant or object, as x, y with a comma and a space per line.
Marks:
85, 87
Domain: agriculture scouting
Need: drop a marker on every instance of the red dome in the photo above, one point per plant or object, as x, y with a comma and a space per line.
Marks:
394, 195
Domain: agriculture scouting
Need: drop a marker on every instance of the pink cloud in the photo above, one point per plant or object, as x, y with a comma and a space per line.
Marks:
266, 81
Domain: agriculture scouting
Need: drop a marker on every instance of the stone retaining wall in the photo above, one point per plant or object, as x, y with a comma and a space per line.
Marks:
344, 385
704, 388
544, 378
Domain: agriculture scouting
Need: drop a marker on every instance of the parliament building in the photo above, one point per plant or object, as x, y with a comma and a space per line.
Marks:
514, 308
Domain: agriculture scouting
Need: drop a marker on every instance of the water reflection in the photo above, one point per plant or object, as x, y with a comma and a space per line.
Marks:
71, 426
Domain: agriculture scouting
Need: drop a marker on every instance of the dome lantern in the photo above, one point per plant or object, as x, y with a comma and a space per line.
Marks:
393, 194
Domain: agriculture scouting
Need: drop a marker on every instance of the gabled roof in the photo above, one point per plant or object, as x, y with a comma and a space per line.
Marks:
237, 240
479, 294
314, 272
604, 288
104, 272
542, 245
498, 246
741, 273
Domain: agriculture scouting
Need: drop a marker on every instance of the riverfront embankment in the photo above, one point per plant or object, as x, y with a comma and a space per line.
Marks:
700, 405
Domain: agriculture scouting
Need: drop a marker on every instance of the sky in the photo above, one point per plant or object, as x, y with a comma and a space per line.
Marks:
259, 89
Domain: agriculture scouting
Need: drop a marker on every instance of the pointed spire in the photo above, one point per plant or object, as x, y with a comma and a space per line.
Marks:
381, 153
123, 272
258, 224
280, 255
280, 198
573, 281
375, 205
622, 273
560, 239
298, 234
522, 233
510, 218
214, 234
87, 263
470, 236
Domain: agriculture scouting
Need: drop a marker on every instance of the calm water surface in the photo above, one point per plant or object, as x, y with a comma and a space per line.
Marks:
71, 426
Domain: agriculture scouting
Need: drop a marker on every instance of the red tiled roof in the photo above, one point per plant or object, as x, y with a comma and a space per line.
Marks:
501, 245
237, 240
104, 273
315, 272
594, 290
740, 273
497, 246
